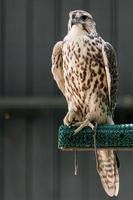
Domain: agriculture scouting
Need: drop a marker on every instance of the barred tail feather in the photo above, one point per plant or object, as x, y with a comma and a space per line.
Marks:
108, 171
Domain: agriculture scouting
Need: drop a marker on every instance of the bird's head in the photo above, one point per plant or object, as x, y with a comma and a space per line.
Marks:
81, 19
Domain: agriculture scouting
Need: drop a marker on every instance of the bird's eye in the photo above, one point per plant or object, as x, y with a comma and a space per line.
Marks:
84, 17
73, 16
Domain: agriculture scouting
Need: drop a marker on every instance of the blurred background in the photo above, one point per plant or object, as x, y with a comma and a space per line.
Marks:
32, 108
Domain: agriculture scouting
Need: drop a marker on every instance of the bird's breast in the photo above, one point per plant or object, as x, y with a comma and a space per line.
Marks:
82, 61
84, 74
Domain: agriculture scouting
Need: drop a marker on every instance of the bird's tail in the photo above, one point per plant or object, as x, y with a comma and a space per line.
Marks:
108, 170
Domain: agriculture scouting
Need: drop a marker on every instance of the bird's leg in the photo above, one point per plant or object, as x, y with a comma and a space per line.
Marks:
70, 118
82, 125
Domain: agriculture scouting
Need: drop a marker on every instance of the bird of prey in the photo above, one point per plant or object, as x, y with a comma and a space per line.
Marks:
84, 67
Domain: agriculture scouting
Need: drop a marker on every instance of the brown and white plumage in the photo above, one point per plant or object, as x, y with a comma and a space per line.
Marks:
85, 69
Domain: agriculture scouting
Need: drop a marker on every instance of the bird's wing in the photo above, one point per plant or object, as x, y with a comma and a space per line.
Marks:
57, 66
110, 62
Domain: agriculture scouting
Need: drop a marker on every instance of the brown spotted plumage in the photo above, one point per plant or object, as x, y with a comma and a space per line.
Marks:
84, 67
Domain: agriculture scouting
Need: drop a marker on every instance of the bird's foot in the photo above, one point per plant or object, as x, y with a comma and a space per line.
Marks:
70, 118
82, 125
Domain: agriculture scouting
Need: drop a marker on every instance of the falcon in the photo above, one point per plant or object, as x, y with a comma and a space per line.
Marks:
84, 67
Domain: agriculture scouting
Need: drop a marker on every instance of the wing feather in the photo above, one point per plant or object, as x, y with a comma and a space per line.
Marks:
57, 66
110, 62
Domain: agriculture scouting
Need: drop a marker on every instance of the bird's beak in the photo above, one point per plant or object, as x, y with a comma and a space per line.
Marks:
76, 20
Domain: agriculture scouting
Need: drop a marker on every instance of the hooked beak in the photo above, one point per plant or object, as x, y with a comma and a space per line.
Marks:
76, 20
